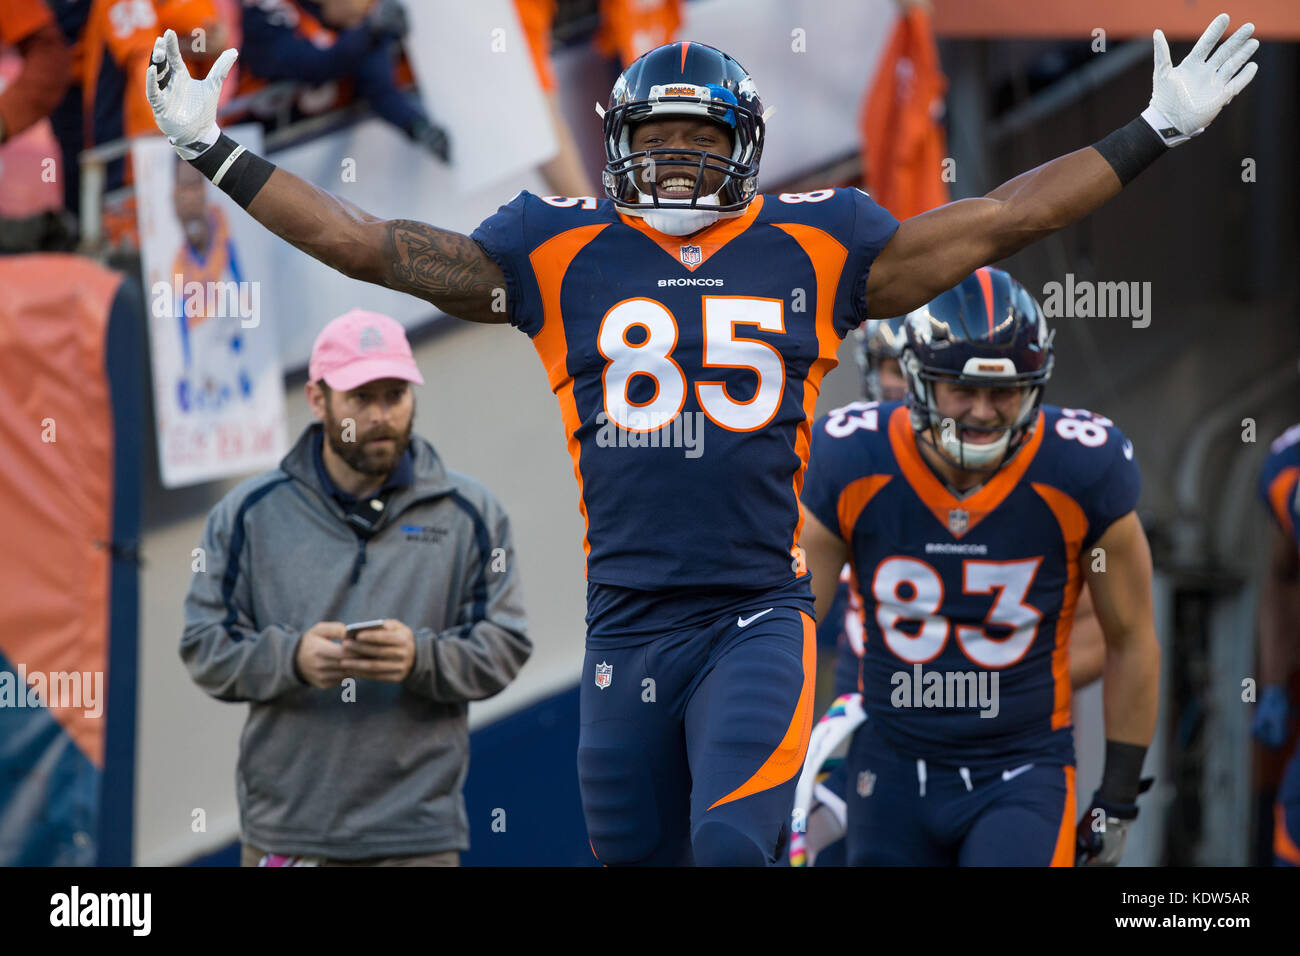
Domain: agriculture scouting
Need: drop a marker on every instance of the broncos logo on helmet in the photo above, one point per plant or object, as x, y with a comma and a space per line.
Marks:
683, 79
987, 331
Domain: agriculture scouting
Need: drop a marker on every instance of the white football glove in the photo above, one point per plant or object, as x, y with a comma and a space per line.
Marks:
1185, 99
184, 108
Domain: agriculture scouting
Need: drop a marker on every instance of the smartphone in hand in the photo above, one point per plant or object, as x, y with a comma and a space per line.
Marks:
352, 629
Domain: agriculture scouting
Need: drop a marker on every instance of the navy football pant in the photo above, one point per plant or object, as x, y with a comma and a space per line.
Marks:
1286, 816
691, 752
907, 812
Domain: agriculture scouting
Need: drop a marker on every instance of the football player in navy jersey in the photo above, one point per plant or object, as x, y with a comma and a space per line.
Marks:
840, 633
972, 516
1279, 632
686, 322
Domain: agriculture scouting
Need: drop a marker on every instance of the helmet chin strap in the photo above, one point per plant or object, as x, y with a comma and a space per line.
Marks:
963, 453
678, 222
978, 456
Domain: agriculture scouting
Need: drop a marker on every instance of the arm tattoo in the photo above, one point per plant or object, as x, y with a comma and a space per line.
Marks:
441, 266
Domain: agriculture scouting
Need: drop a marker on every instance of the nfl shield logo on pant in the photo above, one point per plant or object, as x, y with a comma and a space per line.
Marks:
604, 675
866, 783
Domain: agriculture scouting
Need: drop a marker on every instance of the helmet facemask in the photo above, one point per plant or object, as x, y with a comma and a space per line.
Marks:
979, 457
628, 173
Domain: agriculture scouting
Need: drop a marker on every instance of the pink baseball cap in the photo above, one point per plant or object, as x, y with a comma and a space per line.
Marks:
359, 347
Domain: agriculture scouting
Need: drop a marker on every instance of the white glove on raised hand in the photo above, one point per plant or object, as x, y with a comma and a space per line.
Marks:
1184, 100
184, 108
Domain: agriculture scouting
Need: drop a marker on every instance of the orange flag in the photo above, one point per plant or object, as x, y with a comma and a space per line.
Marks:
904, 145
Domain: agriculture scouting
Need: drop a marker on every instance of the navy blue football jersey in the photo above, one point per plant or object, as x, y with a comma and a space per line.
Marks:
1279, 483
968, 602
687, 370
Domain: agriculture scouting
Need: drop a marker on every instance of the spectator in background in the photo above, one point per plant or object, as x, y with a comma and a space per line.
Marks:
318, 42
29, 27
563, 173
204, 28
111, 41
360, 521
116, 40
34, 71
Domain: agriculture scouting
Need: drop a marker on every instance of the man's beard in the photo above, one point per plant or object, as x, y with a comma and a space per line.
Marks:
359, 455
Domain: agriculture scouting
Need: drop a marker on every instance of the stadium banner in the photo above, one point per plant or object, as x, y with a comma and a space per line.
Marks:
1120, 19
218, 385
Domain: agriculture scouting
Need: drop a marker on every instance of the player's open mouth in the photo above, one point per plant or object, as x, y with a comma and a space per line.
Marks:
677, 186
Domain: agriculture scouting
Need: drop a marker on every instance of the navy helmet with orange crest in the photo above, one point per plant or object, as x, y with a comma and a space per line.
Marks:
987, 331
684, 79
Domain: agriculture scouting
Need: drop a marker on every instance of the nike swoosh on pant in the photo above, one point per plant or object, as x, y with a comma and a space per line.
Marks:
1011, 774
741, 622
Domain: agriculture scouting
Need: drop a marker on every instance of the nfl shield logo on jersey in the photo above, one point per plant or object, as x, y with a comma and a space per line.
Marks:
958, 521
604, 675
866, 783
692, 255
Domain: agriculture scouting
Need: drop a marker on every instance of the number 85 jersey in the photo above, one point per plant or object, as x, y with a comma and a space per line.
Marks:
687, 370
957, 590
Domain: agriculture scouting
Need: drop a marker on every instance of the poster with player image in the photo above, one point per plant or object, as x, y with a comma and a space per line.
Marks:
217, 380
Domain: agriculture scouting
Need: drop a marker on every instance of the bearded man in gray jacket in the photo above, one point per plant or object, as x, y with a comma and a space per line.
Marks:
356, 747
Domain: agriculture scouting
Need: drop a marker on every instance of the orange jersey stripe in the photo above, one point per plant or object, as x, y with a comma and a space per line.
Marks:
1063, 855
787, 759
1069, 515
550, 262
856, 496
827, 257
931, 490
1283, 845
1280, 490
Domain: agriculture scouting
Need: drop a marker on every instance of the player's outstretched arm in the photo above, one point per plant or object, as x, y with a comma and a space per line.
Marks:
437, 265
440, 266
932, 252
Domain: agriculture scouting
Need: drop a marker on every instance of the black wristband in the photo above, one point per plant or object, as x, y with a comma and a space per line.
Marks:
1122, 777
234, 170
1131, 149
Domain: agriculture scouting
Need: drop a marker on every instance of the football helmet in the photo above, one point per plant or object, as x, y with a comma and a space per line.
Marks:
683, 79
986, 331
877, 340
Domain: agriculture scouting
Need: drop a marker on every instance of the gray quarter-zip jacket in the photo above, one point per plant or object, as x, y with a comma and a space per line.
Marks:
376, 770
